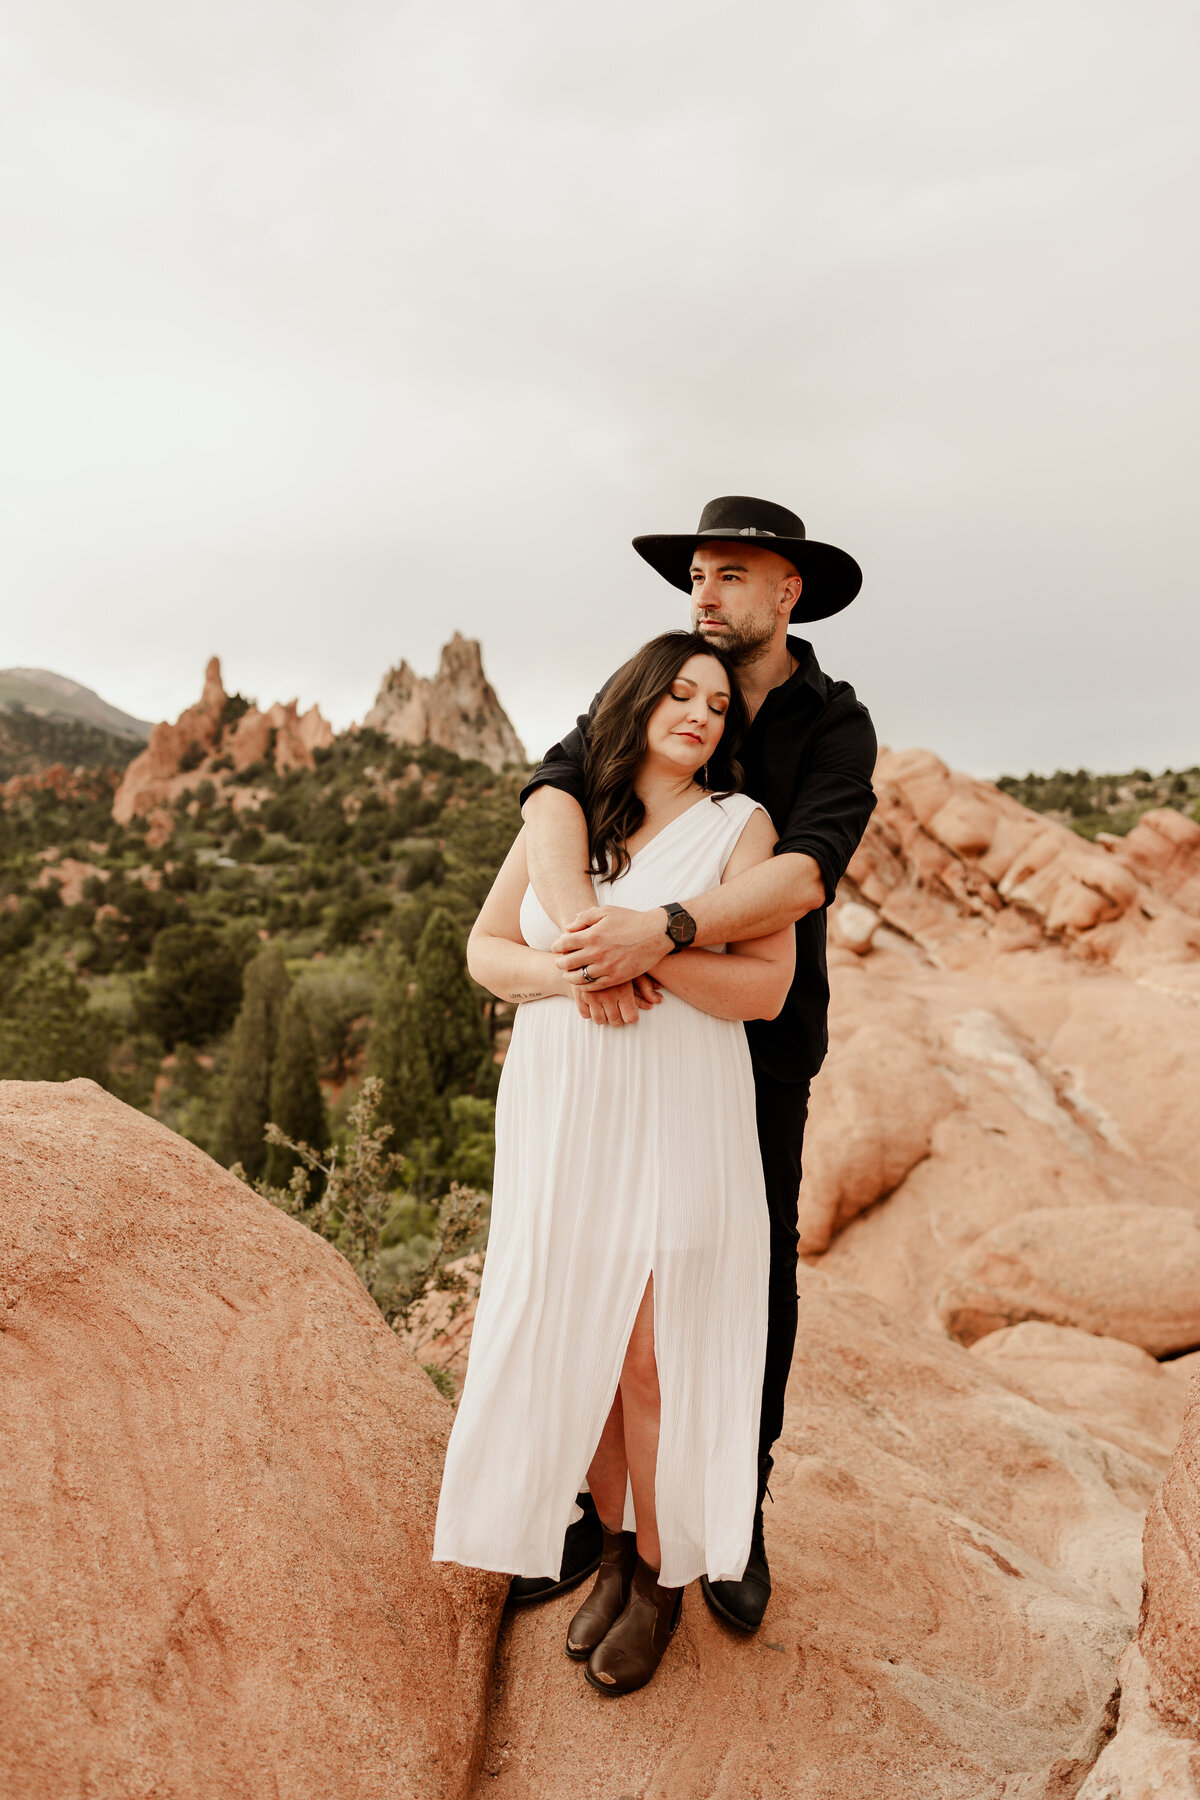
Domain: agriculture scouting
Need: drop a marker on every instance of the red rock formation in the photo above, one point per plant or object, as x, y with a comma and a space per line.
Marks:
1116, 1391
942, 849
1128, 1272
180, 756
218, 1491
1163, 851
65, 784
458, 709
956, 1573
1156, 1750
1170, 1629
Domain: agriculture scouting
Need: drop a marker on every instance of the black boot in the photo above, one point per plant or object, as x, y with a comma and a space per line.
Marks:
743, 1603
580, 1558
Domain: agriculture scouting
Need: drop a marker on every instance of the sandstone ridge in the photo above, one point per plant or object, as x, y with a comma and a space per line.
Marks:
213, 741
457, 709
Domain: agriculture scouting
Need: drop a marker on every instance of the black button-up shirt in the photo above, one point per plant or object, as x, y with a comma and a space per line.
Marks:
808, 757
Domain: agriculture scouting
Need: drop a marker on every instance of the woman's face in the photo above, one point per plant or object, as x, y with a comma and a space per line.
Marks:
686, 726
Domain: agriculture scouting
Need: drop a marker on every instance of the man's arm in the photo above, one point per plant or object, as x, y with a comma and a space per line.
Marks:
820, 835
617, 943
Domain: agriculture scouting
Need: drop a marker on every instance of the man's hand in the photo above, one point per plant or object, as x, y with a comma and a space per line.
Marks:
614, 943
618, 1005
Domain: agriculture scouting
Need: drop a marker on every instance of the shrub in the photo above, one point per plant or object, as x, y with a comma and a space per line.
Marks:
357, 1202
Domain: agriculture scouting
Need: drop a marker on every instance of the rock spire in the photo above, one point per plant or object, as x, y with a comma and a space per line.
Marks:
180, 756
458, 709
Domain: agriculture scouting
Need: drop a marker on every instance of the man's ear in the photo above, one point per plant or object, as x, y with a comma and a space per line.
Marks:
790, 590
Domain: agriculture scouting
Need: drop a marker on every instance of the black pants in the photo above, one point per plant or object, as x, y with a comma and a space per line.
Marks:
782, 1108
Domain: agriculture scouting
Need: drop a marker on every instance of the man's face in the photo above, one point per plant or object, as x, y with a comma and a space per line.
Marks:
740, 592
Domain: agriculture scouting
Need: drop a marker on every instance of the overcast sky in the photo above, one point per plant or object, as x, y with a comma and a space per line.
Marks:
326, 329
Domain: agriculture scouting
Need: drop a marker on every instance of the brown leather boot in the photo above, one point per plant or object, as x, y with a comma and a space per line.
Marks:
628, 1656
606, 1602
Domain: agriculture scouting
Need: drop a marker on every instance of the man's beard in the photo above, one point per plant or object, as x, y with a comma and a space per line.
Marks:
742, 642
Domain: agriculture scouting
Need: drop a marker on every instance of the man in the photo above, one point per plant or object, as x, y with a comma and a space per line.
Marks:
808, 757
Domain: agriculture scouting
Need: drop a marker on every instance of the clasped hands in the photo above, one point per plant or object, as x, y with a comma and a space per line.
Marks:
617, 946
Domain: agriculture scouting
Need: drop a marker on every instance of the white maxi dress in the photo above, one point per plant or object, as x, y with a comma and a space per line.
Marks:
620, 1154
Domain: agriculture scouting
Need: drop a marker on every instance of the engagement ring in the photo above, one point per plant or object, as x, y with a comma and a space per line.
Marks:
584, 973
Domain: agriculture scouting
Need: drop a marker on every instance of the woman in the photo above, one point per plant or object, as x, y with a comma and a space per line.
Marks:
621, 1325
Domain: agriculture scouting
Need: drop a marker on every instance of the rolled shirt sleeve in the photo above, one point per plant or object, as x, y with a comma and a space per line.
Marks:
562, 765
835, 800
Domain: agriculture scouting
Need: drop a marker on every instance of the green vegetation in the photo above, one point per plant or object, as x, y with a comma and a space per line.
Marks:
263, 960
29, 743
1090, 803
348, 1195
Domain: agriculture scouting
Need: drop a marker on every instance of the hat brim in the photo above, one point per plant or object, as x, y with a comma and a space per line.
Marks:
831, 577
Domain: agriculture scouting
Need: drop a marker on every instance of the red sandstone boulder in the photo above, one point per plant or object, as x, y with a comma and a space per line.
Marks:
956, 1573
942, 848
1113, 1389
1155, 1754
1170, 1630
1128, 1272
871, 1121
1163, 850
218, 1491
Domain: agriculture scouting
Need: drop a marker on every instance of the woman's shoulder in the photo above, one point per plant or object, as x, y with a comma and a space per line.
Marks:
737, 808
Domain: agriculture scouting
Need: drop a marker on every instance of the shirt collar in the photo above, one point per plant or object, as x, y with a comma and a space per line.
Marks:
790, 693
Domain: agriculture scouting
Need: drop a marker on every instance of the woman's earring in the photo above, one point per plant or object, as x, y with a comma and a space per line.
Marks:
704, 776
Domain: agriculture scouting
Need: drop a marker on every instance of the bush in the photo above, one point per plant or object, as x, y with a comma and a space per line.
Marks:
358, 1202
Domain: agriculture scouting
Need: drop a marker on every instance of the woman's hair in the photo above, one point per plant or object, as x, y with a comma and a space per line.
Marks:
617, 743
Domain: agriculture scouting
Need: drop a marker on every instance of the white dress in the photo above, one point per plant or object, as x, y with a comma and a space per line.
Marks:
620, 1153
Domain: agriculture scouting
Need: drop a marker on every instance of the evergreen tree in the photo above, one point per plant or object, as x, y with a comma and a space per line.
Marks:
48, 1032
295, 1102
246, 1105
451, 1018
194, 985
396, 1053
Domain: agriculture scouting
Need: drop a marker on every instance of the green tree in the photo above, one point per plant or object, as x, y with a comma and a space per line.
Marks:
472, 1157
451, 1019
194, 985
396, 1054
246, 1106
48, 1032
294, 1103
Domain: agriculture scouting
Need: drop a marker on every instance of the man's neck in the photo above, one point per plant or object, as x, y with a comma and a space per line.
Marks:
770, 668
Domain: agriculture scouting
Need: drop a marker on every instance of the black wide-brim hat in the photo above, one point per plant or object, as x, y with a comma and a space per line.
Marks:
831, 577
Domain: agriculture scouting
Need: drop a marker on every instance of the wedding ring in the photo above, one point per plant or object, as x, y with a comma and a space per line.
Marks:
584, 973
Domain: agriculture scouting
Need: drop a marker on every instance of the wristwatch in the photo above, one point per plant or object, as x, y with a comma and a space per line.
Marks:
681, 927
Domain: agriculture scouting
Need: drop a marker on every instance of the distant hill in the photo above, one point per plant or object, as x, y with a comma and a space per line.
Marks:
44, 695
1114, 803
46, 719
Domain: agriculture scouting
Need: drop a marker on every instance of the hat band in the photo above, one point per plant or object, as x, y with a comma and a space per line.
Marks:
727, 531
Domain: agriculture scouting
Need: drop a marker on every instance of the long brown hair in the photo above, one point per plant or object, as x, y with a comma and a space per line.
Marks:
617, 743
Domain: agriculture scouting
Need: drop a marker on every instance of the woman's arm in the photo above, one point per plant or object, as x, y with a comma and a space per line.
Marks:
752, 980
497, 955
